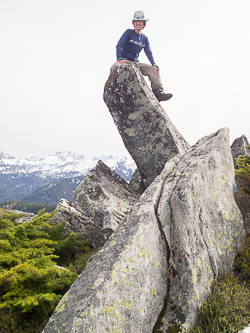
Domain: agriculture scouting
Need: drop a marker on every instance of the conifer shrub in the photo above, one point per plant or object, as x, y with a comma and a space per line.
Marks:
31, 283
242, 172
243, 262
227, 310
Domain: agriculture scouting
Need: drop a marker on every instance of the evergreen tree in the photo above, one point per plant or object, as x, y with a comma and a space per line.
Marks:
31, 284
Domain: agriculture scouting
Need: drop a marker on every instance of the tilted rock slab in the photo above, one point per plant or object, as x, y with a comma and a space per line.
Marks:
202, 224
78, 222
123, 288
146, 130
104, 197
156, 269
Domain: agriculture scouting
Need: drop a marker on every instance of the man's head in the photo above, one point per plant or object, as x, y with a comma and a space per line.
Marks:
139, 16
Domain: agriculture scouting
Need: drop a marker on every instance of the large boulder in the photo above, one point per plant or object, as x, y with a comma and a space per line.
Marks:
79, 223
104, 197
202, 224
146, 130
156, 269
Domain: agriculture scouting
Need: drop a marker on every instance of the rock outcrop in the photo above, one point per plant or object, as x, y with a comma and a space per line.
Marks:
146, 130
238, 147
104, 197
242, 199
156, 269
79, 222
202, 224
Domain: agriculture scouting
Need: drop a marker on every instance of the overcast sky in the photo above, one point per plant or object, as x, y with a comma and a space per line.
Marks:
55, 57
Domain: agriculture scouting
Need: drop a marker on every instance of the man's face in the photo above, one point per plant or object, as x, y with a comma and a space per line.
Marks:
138, 25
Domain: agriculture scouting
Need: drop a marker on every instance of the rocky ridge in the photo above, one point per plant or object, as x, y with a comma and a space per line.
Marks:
104, 197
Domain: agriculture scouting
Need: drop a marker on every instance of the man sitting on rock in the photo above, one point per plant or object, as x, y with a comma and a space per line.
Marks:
128, 49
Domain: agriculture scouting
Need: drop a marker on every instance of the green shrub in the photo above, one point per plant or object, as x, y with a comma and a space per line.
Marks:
242, 172
227, 309
243, 262
31, 284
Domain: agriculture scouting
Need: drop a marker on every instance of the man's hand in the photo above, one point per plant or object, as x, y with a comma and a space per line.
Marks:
155, 66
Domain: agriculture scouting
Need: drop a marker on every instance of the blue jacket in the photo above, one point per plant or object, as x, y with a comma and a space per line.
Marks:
130, 45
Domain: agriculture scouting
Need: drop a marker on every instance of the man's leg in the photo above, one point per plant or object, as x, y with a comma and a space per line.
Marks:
156, 84
114, 67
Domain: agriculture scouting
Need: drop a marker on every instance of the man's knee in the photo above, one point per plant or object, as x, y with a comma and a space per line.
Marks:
115, 66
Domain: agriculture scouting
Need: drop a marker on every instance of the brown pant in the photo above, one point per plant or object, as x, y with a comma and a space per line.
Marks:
147, 70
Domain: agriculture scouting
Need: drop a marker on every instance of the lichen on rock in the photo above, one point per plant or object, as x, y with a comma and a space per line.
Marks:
146, 130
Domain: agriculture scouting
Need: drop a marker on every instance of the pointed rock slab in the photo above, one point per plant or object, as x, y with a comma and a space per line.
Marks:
124, 286
238, 147
104, 197
202, 224
147, 132
78, 222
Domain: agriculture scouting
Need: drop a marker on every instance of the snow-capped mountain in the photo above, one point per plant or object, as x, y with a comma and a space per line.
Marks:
62, 165
20, 177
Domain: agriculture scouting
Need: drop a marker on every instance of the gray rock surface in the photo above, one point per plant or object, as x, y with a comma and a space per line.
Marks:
156, 269
146, 130
104, 197
124, 286
136, 182
243, 200
202, 224
78, 222
238, 147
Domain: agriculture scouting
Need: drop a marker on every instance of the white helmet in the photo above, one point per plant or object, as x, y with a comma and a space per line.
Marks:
139, 15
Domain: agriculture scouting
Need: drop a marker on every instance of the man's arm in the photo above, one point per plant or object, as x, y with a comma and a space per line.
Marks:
120, 44
149, 54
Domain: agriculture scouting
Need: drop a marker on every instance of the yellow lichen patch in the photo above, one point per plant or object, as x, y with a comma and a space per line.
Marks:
114, 275
215, 194
85, 312
134, 115
226, 215
76, 321
195, 273
112, 243
124, 283
98, 282
127, 303
157, 264
125, 270
131, 132
60, 307
153, 292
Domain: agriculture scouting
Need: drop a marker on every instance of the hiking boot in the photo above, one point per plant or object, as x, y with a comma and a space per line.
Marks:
161, 96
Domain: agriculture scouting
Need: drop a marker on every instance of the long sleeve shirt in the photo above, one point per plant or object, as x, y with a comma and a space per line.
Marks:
130, 45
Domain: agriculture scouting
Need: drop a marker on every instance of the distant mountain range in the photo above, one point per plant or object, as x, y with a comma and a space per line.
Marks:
47, 179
